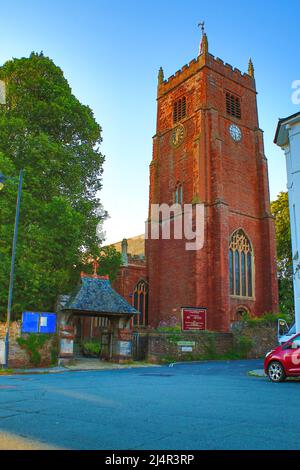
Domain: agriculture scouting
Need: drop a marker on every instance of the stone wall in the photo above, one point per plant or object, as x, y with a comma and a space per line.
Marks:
262, 337
164, 347
18, 357
244, 341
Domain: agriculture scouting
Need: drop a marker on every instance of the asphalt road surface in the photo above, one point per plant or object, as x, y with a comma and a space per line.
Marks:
211, 405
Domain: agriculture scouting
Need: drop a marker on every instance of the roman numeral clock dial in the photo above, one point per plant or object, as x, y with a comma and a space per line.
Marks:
235, 132
177, 136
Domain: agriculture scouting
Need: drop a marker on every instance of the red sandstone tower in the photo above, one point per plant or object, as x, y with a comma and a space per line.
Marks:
209, 149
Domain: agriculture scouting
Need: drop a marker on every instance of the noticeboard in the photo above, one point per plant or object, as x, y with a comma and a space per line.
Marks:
125, 348
36, 322
48, 323
30, 322
194, 319
66, 347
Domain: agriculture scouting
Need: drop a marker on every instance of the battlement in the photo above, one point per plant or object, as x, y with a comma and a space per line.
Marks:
212, 62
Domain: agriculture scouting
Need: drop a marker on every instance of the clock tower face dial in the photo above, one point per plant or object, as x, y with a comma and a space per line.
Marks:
177, 136
235, 133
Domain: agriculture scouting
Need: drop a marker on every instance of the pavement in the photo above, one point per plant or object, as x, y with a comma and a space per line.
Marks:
257, 373
210, 405
80, 364
95, 364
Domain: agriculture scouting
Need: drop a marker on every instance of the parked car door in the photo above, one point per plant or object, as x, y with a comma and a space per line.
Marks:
291, 356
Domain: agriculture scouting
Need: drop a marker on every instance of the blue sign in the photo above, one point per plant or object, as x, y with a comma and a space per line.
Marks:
48, 323
30, 322
35, 322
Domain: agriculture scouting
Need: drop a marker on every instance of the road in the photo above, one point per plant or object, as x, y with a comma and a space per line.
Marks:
211, 405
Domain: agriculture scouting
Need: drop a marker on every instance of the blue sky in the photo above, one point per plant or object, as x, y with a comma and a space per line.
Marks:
111, 50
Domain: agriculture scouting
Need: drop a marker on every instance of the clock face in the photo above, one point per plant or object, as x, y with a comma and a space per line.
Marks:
177, 136
235, 133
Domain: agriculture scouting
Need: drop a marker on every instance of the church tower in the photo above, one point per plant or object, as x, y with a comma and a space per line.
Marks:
209, 149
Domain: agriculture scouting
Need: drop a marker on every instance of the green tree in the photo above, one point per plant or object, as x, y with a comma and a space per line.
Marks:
46, 131
280, 210
109, 261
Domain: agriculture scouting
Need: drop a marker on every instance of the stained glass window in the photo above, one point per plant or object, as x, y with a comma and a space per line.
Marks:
140, 303
231, 269
240, 265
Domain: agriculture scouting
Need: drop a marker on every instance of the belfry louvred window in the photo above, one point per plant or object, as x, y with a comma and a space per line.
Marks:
233, 105
241, 265
140, 303
179, 110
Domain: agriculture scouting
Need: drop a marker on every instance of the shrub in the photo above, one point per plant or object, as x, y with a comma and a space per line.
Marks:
33, 344
210, 345
54, 352
91, 348
169, 329
268, 319
242, 346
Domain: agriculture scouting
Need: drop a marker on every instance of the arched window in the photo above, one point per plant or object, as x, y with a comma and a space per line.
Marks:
240, 265
242, 313
179, 194
140, 303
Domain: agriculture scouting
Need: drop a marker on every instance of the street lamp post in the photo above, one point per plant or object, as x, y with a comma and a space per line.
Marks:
13, 258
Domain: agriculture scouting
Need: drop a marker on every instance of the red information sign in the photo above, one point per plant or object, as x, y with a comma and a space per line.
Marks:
194, 319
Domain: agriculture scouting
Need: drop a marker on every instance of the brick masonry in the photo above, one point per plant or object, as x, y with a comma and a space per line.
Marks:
263, 338
164, 345
128, 277
18, 357
159, 347
230, 178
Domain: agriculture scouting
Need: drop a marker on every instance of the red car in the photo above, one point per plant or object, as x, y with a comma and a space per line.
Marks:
284, 361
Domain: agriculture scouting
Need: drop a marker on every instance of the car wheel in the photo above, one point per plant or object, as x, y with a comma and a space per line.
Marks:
276, 372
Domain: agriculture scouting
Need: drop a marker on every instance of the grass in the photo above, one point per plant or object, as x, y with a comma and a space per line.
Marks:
6, 371
231, 356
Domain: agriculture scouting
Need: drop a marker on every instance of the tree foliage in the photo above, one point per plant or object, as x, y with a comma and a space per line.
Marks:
46, 131
109, 261
280, 210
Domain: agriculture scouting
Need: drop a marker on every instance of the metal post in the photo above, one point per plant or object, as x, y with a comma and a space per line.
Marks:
12, 271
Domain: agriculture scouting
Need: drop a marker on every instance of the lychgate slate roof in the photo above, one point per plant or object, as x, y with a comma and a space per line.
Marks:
95, 295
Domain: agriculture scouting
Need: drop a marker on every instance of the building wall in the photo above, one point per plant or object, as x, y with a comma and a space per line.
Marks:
18, 357
230, 178
244, 341
127, 279
292, 152
163, 347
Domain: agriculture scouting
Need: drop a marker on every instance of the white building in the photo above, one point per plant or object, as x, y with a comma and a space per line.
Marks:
288, 138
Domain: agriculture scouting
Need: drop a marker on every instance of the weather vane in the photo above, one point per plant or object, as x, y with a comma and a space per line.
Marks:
202, 26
